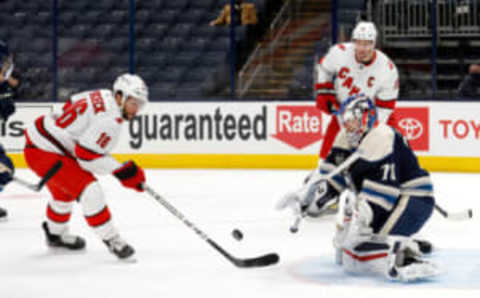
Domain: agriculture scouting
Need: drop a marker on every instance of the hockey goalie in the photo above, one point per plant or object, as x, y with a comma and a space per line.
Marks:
392, 197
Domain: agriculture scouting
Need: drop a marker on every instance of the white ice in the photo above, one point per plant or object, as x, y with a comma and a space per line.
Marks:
172, 261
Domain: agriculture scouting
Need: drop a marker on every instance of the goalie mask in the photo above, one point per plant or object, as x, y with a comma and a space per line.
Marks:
357, 116
6, 61
131, 86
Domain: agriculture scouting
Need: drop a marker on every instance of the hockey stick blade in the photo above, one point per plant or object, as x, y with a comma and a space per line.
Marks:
458, 216
37, 187
261, 261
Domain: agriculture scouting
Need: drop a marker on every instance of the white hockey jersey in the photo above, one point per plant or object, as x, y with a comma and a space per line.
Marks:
340, 74
88, 129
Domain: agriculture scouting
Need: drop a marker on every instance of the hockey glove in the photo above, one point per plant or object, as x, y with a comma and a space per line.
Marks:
7, 108
313, 199
131, 176
319, 199
327, 103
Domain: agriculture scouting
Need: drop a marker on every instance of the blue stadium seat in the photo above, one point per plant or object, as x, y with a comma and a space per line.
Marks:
212, 58
177, 4
155, 59
162, 90
206, 31
104, 31
171, 74
171, 44
167, 16
203, 3
67, 18
25, 33
195, 16
351, 4
157, 30
188, 90
105, 5
144, 44
91, 17
150, 4
116, 45
118, 16
41, 45
196, 44
19, 19
220, 44
181, 30
185, 59
143, 15
148, 73
198, 74
43, 18
77, 31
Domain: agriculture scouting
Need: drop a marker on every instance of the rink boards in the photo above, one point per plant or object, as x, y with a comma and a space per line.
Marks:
444, 135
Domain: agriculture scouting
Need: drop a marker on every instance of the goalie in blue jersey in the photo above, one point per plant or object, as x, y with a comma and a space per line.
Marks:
392, 197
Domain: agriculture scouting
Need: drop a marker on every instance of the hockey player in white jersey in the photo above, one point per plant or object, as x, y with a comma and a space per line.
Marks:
354, 68
393, 197
82, 137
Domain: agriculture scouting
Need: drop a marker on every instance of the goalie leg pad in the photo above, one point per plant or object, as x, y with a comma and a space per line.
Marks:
376, 255
365, 256
407, 267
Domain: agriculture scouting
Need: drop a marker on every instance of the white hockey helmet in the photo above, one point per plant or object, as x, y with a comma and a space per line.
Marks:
131, 85
365, 31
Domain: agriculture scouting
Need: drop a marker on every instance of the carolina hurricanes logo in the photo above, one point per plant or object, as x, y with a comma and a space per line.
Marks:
411, 128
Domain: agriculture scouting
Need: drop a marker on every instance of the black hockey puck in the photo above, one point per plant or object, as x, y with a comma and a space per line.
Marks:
237, 234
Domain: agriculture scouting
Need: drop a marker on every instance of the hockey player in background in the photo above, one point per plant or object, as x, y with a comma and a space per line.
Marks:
82, 137
7, 108
354, 68
393, 197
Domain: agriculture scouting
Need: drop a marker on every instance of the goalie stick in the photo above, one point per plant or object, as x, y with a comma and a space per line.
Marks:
37, 187
461, 215
261, 261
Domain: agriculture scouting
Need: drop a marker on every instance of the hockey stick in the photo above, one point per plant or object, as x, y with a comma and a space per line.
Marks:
261, 261
37, 187
461, 215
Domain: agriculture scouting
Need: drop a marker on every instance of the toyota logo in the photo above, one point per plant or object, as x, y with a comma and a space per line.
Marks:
412, 128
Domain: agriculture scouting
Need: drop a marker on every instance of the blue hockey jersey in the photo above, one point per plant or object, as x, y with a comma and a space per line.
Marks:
387, 168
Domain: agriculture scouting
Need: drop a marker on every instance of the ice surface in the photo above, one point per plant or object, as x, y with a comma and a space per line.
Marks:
174, 262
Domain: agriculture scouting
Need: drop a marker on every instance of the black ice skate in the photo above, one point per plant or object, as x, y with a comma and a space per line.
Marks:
3, 214
64, 240
424, 246
119, 247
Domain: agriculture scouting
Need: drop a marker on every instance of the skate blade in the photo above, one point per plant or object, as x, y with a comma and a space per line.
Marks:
129, 260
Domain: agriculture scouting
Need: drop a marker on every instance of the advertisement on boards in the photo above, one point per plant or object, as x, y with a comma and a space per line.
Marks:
293, 128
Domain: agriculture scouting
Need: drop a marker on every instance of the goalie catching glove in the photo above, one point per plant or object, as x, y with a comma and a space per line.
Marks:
131, 176
312, 199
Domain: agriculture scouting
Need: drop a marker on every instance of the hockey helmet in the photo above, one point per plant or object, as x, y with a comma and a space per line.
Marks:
365, 31
357, 116
131, 85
